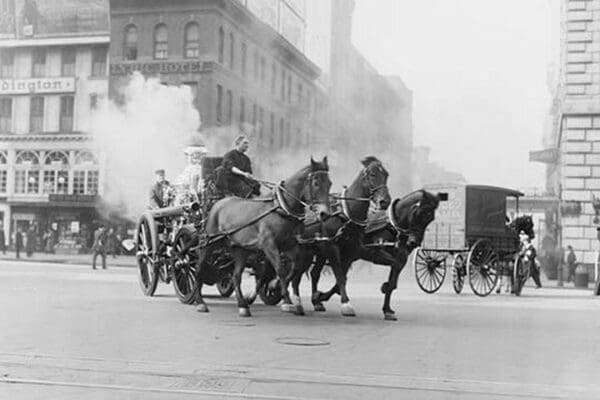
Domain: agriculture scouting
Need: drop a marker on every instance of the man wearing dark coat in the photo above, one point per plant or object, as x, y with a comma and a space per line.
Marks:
157, 192
2, 239
18, 243
99, 247
30, 245
237, 170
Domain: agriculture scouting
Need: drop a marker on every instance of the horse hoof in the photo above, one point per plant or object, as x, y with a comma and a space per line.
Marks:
244, 312
390, 316
299, 310
202, 308
290, 308
250, 299
319, 307
316, 297
348, 310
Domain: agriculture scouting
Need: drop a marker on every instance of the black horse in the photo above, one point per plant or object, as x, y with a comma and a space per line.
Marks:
339, 237
389, 239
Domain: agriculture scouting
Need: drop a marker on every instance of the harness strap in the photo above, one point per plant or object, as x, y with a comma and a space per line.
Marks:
346, 212
218, 236
284, 206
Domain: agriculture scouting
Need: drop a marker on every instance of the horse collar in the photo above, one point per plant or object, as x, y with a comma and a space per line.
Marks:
284, 206
346, 212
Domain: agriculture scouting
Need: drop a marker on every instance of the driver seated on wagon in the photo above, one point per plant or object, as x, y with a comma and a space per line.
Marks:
234, 176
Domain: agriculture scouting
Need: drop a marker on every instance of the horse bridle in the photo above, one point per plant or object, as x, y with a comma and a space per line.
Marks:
372, 188
310, 178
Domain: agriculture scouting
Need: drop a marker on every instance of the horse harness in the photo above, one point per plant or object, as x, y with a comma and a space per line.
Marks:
391, 222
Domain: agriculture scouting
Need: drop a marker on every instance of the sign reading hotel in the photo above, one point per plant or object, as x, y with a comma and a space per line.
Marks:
150, 68
37, 85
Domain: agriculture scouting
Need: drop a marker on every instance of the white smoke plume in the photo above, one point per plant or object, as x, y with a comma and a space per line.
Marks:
148, 132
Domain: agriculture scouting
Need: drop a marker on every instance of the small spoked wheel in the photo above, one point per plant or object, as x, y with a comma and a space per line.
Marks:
145, 254
459, 271
225, 286
184, 266
482, 267
521, 272
270, 293
430, 269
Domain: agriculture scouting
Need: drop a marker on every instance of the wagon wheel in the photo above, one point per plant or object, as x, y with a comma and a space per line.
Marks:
225, 285
270, 292
482, 267
430, 269
145, 254
521, 271
459, 272
184, 266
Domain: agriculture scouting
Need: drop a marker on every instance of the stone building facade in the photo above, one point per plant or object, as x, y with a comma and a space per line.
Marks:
577, 111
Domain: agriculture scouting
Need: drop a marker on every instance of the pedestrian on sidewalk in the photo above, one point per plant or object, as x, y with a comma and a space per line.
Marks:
18, 243
111, 241
99, 247
2, 238
30, 243
571, 260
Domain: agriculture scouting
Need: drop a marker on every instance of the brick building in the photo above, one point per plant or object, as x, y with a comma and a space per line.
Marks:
243, 74
53, 70
575, 172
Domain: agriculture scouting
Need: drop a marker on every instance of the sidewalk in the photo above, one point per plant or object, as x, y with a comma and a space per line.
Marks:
72, 259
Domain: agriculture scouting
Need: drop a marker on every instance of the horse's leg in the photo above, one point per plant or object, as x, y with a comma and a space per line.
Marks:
202, 307
335, 260
267, 244
315, 274
300, 266
259, 278
239, 257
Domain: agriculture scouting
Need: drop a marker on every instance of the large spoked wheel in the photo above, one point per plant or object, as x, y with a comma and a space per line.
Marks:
459, 271
270, 293
430, 269
145, 254
184, 266
225, 286
482, 267
521, 272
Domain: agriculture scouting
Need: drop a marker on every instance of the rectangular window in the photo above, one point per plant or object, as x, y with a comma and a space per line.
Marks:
92, 182
231, 51
229, 106
5, 115
68, 61
272, 131
219, 103
33, 182
242, 110
38, 62
7, 59
49, 181
3, 178
20, 180
288, 133
66, 113
93, 101
221, 45
289, 89
62, 183
99, 61
78, 182
273, 78
244, 51
36, 115
281, 132
300, 94
282, 84
263, 73
255, 66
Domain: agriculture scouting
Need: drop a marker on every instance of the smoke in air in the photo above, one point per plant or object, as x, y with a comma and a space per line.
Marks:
148, 132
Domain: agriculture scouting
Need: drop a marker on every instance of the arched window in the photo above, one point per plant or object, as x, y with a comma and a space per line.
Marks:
221, 45
130, 39
27, 172
191, 40
161, 42
86, 175
56, 173
3, 172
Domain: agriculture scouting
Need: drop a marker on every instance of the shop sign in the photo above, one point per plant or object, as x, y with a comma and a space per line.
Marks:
75, 226
37, 85
75, 198
151, 68
23, 216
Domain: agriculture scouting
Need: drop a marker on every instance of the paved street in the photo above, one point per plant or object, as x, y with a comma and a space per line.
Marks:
69, 332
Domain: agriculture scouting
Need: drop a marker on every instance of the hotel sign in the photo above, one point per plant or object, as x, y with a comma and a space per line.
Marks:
37, 85
152, 68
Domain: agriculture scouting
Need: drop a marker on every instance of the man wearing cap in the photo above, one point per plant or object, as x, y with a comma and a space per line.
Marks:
158, 190
238, 170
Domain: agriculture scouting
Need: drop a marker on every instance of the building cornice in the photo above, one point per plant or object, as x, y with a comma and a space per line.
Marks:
46, 137
56, 41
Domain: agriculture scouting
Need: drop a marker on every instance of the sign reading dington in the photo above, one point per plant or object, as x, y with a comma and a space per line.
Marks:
150, 68
37, 85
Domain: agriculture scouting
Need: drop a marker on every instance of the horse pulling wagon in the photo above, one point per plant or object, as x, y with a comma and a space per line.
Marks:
471, 227
167, 240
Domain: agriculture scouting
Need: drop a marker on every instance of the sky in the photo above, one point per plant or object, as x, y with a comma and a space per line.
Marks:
478, 70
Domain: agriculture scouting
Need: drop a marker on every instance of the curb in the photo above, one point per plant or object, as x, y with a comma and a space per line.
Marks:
62, 262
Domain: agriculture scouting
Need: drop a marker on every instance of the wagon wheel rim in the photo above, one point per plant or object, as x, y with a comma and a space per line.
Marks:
184, 269
458, 273
430, 270
482, 268
145, 255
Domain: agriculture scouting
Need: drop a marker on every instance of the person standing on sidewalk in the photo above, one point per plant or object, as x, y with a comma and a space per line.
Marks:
571, 260
99, 247
30, 244
111, 242
2, 239
18, 243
